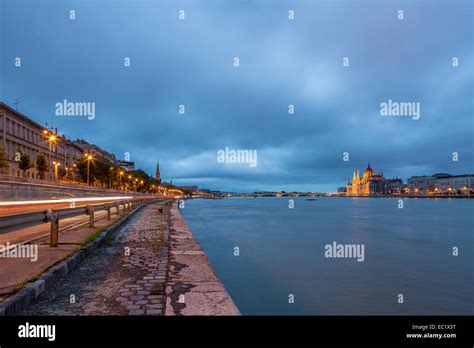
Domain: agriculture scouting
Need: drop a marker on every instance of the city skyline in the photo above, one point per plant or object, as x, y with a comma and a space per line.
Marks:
284, 62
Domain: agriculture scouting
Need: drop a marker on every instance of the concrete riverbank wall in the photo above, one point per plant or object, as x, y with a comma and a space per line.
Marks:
193, 287
18, 189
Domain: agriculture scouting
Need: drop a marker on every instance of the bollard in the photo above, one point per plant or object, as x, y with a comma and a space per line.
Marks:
90, 212
54, 237
54, 234
107, 207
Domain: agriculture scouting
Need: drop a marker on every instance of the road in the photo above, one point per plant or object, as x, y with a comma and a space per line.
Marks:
32, 233
32, 206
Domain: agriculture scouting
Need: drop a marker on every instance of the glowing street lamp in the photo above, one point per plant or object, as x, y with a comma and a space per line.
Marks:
56, 165
89, 158
51, 138
120, 178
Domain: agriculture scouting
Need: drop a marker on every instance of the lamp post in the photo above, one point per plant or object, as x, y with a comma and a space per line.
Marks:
51, 138
110, 177
56, 165
120, 179
89, 159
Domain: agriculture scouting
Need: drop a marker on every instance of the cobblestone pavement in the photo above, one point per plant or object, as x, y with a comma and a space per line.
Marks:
126, 276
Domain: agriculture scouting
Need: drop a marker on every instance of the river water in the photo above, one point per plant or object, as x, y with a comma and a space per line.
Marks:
282, 254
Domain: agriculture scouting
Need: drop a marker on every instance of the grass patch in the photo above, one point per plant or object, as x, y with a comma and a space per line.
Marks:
19, 286
93, 236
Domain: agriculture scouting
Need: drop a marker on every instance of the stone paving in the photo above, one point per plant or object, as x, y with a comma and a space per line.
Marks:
147, 255
151, 266
125, 276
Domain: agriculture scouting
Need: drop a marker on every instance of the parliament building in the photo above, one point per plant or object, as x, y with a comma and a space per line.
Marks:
372, 184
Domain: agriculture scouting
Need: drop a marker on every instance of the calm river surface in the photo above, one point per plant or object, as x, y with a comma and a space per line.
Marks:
282, 251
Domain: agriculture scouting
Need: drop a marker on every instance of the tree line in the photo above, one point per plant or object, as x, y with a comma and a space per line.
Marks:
102, 172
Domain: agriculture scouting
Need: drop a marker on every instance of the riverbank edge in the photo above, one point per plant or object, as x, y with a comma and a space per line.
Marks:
212, 297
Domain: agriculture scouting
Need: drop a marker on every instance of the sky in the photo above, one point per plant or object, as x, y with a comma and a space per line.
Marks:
283, 62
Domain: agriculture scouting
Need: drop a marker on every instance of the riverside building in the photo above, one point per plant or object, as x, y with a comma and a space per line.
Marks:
441, 183
20, 133
371, 183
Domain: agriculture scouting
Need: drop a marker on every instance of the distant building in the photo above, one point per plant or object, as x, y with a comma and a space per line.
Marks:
372, 184
157, 173
94, 149
420, 184
188, 189
441, 183
394, 186
127, 165
342, 189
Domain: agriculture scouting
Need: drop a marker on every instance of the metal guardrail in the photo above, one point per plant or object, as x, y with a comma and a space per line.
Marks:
9, 223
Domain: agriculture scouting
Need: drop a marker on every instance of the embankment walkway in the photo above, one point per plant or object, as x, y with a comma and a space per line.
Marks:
151, 265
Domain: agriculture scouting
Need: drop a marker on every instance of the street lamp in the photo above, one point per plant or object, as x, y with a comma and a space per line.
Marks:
130, 180
89, 158
51, 138
110, 177
56, 165
120, 178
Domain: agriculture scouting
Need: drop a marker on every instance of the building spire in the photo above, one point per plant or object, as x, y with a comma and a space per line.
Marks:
157, 173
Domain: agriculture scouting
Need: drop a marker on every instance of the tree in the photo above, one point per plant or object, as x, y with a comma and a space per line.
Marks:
25, 162
41, 164
99, 170
4, 164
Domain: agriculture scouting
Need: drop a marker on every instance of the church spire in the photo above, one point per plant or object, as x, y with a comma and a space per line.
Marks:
157, 173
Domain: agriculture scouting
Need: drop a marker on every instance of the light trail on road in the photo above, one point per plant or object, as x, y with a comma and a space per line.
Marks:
23, 207
65, 200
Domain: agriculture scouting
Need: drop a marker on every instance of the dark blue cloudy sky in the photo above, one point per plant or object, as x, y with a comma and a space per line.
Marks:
282, 62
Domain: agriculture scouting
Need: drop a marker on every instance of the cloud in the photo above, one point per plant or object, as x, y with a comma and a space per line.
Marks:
282, 62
